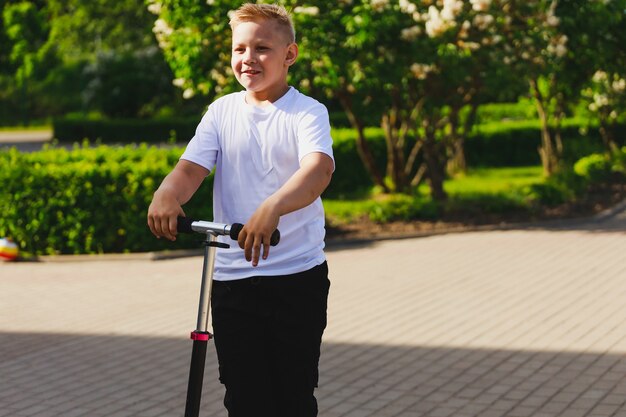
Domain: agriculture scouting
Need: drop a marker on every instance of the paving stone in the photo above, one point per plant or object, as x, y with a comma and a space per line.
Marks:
518, 323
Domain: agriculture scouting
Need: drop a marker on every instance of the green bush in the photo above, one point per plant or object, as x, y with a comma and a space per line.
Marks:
477, 204
87, 200
569, 184
549, 193
593, 168
618, 161
495, 144
496, 112
515, 143
350, 177
124, 130
404, 208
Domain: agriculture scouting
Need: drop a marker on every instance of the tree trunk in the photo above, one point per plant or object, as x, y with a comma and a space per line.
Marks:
457, 163
549, 159
395, 153
608, 138
362, 147
435, 166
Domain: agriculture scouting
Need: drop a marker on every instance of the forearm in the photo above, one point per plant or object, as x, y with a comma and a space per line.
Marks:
305, 186
179, 185
175, 190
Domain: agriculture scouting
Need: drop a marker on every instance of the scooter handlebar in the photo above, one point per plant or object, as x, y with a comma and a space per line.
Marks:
187, 225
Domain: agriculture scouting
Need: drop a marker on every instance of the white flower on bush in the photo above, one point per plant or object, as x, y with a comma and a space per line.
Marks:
552, 20
210, 2
600, 100
619, 85
480, 5
154, 8
472, 46
599, 76
379, 5
162, 28
421, 71
557, 50
436, 24
178, 82
188, 93
451, 9
412, 33
407, 7
465, 27
218, 76
557, 46
311, 11
482, 21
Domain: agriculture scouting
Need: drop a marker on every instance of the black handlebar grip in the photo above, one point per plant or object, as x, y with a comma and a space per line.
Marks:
184, 224
235, 228
275, 238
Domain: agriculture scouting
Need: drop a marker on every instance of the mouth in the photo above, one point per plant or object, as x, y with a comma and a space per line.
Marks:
250, 72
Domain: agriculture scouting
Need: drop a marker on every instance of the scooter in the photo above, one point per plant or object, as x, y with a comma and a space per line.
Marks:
201, 335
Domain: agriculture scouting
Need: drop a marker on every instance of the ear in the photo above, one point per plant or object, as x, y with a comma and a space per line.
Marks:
292, 54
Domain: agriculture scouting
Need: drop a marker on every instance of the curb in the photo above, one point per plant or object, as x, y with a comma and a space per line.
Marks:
117, 257
610, 212
338, 242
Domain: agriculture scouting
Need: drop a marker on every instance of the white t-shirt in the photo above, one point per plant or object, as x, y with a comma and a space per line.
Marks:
255, 150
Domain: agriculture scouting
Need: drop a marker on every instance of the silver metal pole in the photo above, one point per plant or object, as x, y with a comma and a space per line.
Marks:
207, 282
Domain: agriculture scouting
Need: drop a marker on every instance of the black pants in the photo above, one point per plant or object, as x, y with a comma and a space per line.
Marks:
268, 332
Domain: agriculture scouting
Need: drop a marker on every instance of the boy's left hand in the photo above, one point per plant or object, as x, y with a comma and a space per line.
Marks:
257, 232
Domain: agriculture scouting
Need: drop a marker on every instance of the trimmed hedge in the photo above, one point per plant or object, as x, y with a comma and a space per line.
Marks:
95, 200
88, 200
505, 143
515, 143
124, 130
511, 143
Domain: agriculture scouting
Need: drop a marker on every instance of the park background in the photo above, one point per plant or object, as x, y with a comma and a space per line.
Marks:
465, 112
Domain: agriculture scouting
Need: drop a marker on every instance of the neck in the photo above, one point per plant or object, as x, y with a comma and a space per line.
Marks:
266, 97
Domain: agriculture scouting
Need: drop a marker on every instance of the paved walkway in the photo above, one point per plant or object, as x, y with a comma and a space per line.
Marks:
528, 322
25, 140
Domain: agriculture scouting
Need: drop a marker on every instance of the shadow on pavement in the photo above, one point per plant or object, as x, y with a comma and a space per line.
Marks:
85, 375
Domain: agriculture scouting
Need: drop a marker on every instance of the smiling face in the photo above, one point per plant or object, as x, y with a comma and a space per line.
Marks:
261, 57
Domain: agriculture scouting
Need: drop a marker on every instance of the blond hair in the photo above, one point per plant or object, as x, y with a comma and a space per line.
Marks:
250, 12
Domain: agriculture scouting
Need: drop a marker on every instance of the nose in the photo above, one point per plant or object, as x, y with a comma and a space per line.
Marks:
249, 56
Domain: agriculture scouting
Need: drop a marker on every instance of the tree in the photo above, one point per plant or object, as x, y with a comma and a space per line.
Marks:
195, 39
557, 46
605, 91
418, 67
423, 67
84, 28
47, 46
26, 29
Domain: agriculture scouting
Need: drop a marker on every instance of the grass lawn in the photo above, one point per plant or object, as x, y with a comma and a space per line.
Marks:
25, 128
489, 181
488, 190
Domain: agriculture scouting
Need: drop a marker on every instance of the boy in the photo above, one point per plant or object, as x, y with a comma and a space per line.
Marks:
272, 152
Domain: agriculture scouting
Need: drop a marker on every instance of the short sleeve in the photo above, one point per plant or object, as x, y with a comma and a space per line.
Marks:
313, 132
203, 147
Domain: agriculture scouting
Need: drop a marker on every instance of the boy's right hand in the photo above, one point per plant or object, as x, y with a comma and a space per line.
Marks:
162, 215
175, 190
